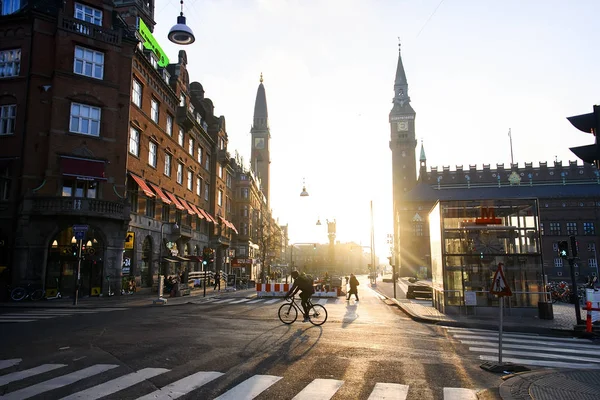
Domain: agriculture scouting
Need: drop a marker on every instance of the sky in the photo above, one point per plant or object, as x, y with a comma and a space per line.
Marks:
475, 69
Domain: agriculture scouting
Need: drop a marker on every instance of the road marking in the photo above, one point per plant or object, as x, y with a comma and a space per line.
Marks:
239, 301
532, 341
63, 312
255, 301
383, 391
223, 301
9, 363
528, 354
322, 302
272, 301
182, 386
541, 363
250, 388
116, 385
17, 376
17, 320
319, 389
523, 347
58, 382
38, 316
459, 394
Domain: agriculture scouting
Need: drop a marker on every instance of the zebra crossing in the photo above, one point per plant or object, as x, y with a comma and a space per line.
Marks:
31, 315
530, 349
277, 300
57, 386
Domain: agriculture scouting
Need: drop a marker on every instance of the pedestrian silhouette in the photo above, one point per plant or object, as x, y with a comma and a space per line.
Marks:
217, 281
353, 287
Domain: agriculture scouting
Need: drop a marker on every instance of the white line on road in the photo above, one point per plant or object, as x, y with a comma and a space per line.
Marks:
9, 363
383, 391
529, 354
17, 376
223, 301
272, 301
522, 347
239, 301
541, 363
182, 386
322, 302
250, 388
459, 394
255, 301
17, 320
532, 341
38, 316
58, 382
319, 389
116, 385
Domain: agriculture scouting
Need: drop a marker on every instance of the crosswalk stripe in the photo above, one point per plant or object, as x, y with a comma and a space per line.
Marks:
17, 376
116, 385
103, 309
383, 391
255, 301
541, 363
529, 354
58, 382
17, 320
239, 301
523, 347
322, 302
532, 341
223, 301
182, 386
319, 389
272, 301
493, 334
459, 394
63, 312
21, 316
250, 388
9, 363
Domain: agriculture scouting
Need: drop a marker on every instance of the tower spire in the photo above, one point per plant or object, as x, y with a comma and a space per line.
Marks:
400, 84
261, 135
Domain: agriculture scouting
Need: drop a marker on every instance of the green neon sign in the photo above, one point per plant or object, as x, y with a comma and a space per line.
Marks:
151, 44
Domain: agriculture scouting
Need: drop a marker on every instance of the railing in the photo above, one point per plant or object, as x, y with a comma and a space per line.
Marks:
91, 30
75, 206
183, 230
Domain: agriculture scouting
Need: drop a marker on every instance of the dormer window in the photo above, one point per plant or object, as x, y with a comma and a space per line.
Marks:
153, 60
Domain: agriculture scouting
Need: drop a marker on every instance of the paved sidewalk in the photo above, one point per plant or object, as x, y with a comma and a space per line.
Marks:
569, 384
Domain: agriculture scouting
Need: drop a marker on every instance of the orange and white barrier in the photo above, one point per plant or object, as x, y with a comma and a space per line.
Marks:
272, 289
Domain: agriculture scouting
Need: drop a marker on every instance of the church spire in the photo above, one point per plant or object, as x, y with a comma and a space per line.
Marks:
422, 158
261, 115
422, 164
400, 84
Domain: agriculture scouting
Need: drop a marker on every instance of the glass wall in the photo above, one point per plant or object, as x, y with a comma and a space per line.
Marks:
468, 241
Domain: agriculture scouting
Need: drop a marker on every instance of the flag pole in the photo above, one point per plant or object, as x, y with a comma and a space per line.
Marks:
512, 161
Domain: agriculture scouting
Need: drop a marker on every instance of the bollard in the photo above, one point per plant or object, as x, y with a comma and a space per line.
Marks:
588, 322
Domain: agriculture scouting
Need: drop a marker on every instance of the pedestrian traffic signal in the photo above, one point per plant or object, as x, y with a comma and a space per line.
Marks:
574, 246
588, 123
563, 249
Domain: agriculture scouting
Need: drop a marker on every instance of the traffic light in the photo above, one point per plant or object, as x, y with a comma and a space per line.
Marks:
74, 249
574, 246
588, 123
563, 249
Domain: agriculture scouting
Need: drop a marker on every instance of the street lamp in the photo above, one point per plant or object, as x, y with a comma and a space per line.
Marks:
304, 193
161, 278
180, 33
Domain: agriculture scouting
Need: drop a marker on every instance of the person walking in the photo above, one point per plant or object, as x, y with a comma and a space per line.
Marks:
353, 287
217, 281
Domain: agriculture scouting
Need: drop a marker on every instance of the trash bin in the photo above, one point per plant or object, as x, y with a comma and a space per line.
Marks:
545, 310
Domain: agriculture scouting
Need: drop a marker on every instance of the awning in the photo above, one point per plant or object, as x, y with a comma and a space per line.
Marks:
179, 258
229, 224
233, 227
142, 184
175, 201
209, 217
186, 205
194, 258
161, 194
197, 211
82, 168
168, 259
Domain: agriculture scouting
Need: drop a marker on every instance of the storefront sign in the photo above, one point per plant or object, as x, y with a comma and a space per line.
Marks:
241, 262
129, 240
151, 44
488, 217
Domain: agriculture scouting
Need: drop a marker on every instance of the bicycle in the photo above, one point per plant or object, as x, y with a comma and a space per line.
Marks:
23, 292
288, 312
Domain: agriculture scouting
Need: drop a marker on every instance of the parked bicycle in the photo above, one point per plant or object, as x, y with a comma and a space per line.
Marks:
288, 312
28, 291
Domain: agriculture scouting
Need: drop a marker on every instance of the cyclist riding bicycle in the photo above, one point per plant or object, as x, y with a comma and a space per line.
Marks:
305, 284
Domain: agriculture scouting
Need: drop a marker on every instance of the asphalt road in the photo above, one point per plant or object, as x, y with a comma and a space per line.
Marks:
240, 350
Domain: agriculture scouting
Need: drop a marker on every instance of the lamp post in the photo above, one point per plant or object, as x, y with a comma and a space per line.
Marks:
160, 299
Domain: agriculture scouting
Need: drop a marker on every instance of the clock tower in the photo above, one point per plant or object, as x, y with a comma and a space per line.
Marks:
403, 146
261, 135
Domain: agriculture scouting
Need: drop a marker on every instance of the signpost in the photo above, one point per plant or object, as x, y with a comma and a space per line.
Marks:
79, 232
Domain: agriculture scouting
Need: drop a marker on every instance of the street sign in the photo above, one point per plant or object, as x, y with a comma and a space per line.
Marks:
80, 228
499, 284
80, 235
129, 240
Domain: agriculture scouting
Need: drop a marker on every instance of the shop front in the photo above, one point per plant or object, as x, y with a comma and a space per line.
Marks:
469, 239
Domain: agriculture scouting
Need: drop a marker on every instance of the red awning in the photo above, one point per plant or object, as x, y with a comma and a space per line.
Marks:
143, 185
205, 215
210, 217
175, 201
161, 194
197, 211
233, 227
82, 168
194, 258
187, 206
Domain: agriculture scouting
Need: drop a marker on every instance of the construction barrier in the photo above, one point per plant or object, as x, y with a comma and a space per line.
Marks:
272, 289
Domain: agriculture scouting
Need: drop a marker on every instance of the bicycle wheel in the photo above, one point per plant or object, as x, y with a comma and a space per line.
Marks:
37, 294
288, 313
317, 314
18, 294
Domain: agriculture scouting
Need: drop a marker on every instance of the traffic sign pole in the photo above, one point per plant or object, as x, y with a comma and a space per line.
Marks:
77, 282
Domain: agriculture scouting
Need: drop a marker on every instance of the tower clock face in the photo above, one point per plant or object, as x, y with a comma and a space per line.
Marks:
402, 126
259, 143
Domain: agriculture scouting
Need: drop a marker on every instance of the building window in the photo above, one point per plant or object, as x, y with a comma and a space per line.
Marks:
88, 14
11, 6
220, 198
588, 228
591, 247
571, 228
198, 186
169, 125
180, 173
220, 169
199, 155
150, 207
5, 183
167, 164
558, 263
85, 119
207, 162
418, 228
191, 146
542, 229
136, 93
134, 142
244, 193
555, 228
593, 264
10, 63
181, 100
152, 147
154, 110
178, 217
88, 62
227, 204
8, 117
190, 180
166, 211
79, 188
180, 138
206, 191
245, 211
